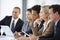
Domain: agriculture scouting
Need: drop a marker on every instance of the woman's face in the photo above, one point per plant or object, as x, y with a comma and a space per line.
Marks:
28, 15
42, 14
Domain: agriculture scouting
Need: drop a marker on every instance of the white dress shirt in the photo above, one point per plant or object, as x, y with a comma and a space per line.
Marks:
15, 21
56, 21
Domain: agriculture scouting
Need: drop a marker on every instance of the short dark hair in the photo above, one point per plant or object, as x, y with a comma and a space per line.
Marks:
29, 9
36, 8
17, 8
56, 8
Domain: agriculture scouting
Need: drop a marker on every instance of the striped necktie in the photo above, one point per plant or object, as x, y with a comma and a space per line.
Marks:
12, 26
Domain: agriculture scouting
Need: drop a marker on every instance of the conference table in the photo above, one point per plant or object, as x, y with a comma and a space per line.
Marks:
7, 38
9, 35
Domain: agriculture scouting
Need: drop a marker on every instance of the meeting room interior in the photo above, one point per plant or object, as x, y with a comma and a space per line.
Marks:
29, 19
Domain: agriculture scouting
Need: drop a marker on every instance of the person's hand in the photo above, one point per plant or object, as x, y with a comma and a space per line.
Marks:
23, 38
33, 37
17, 34
36, 22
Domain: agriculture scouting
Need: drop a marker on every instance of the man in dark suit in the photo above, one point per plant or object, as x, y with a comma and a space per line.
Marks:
54, 11
14, 22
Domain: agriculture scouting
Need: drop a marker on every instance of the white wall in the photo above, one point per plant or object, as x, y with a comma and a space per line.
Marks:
31, 3
50, 2
0, 7
7, 7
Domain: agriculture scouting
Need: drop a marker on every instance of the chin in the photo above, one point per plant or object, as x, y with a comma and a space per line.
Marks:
15, 17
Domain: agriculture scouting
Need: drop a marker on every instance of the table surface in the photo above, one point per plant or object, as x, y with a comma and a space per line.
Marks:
7, 38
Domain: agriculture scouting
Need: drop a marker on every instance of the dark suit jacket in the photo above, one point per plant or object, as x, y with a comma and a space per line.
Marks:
57, 35
7, 21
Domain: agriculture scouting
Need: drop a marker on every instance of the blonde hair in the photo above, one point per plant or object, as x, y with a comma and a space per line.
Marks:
46, 9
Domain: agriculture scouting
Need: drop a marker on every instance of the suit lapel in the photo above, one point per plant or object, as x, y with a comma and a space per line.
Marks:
9, 21
47, 27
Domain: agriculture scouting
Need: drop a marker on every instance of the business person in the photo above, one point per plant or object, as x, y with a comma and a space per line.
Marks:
28, 23
47, 29
54, 11
35, 12
26, 29
14, 22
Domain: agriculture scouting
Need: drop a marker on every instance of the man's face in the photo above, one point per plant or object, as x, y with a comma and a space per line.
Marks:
15, 13
51, 14
35, 15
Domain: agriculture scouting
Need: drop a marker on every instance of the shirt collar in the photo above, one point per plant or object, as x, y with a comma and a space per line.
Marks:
57, 21
15, 19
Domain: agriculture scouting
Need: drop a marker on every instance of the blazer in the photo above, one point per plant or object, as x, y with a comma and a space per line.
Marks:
7, 21
47, 32
27, 28
57, 35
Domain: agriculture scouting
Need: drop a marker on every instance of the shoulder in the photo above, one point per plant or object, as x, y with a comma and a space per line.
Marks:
25, 21
8, 17
58, 24
59, 21
21, 21
51, 22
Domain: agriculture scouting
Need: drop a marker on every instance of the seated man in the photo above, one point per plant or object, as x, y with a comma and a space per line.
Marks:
26, 29
14, 22
54, 11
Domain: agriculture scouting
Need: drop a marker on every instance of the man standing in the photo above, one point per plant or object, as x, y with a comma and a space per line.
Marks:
14, 22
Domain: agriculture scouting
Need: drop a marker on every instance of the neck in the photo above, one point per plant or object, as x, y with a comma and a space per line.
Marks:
46, 20
15, 18
57, 18
30, 21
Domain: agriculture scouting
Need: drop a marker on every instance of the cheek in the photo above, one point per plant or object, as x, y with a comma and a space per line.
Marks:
33, 16
14, 14
51, 16
43, 16
26, 16
36, 16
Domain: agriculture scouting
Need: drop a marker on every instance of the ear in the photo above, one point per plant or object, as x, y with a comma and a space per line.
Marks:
56, 12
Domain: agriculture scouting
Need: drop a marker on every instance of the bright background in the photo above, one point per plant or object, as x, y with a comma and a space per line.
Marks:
6, 6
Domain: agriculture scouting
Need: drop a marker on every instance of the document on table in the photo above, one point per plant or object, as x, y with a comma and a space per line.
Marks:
7, 30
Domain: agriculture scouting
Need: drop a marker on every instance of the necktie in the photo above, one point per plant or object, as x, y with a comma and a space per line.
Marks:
38, 27
12, 26
54, 29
